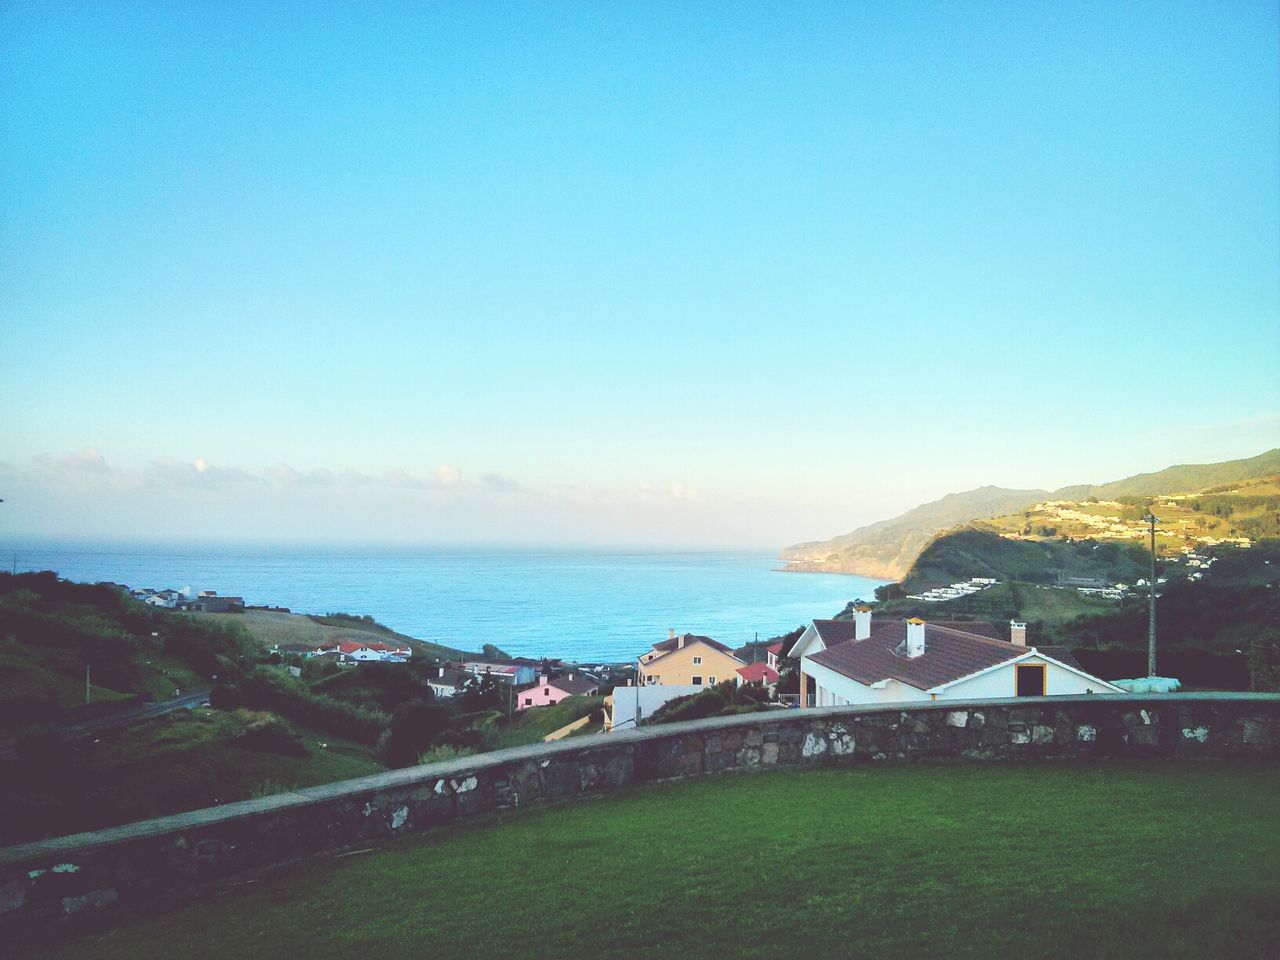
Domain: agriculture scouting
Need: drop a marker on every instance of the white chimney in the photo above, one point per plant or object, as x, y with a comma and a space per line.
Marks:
671, 633
542, 680
680, 642
571, 676
1018, 633
861, 623
442, 671
915, 637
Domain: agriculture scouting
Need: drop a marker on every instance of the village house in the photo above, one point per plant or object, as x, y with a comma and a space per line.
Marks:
548, 691
517, 674
760, 673
856, 661
687, 659
628, 706
447, 681
354, 651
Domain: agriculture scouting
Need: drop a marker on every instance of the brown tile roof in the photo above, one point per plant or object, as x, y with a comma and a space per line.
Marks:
666, 646
838, 631
578, 686
1062, 655
951, 651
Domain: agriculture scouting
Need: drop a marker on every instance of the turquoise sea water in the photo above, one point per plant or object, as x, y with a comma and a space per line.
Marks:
578, 604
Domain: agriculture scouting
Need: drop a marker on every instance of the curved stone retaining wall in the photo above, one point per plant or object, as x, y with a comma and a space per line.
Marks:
91, 875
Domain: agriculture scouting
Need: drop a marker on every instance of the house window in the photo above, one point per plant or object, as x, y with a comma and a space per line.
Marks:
546, 691
528, 701
1030, 679
654, 679
697, 661
697, 681
711, 680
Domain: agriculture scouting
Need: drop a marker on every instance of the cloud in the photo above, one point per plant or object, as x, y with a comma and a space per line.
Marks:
196, 473
287, 476
442, 478
684, 492
89, 462
497, 483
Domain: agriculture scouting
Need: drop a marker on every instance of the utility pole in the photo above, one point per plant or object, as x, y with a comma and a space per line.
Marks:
86, 684
1152, 519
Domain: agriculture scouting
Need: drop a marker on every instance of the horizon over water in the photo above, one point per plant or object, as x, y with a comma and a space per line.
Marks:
584, 604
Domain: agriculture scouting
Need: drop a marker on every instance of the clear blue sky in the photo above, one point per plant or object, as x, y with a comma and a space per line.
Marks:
628, 273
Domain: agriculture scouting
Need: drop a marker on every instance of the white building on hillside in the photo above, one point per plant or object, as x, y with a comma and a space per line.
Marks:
852, 661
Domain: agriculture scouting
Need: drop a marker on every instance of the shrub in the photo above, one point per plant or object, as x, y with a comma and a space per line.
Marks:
223, 696
414, 726
444, 751
267, 733
268, 688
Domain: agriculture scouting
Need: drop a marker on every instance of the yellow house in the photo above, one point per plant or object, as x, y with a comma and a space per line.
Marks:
687, 660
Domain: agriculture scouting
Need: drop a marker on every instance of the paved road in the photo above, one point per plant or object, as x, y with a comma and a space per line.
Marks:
78, 729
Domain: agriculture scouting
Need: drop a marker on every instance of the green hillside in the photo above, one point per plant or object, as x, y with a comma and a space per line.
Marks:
889, 548
971, 552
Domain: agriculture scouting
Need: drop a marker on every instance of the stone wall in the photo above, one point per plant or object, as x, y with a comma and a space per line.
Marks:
97, 876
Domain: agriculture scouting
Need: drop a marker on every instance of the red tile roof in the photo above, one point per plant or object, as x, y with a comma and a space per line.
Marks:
758, 673
951, 651
776, 649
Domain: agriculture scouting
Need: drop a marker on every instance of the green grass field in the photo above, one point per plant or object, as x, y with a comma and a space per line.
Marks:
1081, 860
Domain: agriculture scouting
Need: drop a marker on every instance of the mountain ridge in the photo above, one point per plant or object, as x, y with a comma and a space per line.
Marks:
888, 548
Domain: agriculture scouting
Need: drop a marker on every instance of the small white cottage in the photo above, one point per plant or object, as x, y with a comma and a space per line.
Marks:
853, 661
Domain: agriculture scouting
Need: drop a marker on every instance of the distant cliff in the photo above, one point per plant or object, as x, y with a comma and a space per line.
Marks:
889, 548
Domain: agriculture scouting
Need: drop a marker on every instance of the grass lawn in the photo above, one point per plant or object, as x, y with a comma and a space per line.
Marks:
1080, 860
269, 627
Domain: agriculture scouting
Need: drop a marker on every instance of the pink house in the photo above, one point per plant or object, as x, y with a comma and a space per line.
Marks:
548, 691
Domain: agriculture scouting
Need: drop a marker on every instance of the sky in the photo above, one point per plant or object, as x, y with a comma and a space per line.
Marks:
651, 274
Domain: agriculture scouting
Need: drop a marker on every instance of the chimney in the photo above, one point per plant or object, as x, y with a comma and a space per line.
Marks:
442, 671
671, 633
1018, 633
542, 680
680, 642
571, 676
915, 637
861, 623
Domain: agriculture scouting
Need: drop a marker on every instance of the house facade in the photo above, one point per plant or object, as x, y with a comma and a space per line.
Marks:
858, 662
548, 691
687, 660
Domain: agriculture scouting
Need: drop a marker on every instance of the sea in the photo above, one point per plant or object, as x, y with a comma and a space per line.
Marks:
580, 605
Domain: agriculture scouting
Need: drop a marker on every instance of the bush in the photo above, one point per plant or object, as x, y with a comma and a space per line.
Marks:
444, 751
268, 688
415, 726
223, 696
267, 733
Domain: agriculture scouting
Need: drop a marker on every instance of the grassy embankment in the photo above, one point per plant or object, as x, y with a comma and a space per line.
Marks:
186, 760
1068, 860
62, 781
270, 627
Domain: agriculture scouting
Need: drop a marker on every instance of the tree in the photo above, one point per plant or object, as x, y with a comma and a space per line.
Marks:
414, 726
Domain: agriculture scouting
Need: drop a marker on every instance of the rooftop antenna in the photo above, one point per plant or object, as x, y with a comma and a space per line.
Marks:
1151, 519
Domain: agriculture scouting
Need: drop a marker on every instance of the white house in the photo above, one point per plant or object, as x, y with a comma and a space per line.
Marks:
853, 661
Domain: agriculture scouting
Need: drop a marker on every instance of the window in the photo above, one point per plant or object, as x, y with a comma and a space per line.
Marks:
697, 681
546, 691
697, 661
528, 701
654, 679
1030, 679
711, 680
